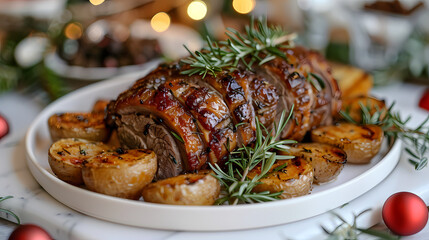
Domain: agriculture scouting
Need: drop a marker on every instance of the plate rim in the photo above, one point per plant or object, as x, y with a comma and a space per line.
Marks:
61, 190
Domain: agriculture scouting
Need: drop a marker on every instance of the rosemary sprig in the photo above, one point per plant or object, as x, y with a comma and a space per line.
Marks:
236, 186
347, 231
8, 211
259, 44
394, 127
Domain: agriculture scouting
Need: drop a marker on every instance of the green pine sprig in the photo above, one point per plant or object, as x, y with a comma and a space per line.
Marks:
236, 186
8, 211
394, 127
259, 44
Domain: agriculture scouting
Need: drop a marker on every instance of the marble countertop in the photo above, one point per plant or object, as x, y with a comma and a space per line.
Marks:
34, 205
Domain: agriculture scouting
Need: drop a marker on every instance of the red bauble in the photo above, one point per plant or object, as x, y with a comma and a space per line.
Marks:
405, 213
424, 101
4, 127
29, 232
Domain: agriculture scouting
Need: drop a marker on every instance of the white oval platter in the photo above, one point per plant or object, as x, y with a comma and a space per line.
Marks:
353, 181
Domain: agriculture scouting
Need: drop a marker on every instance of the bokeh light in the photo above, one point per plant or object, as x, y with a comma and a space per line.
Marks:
197, 10
243, 6
96, 2
73, 31
160, 22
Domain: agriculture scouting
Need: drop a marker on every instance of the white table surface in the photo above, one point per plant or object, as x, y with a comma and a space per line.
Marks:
33, 205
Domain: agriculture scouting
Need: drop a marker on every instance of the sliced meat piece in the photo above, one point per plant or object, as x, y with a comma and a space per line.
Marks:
212, 116
147, 132
265, 99
234, 88
327, 101
295, 90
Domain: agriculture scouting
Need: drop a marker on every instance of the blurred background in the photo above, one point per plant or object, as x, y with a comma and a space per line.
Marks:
54, 46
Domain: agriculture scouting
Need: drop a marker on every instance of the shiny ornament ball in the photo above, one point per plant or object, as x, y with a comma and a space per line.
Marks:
29, 232
4, 127
424, 101
405, 213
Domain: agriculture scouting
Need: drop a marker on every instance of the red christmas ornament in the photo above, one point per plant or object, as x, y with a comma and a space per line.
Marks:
29, 232
4, 127
424, 101
405, 213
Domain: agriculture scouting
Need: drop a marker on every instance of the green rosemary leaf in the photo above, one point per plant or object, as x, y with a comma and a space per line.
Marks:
421, 163
280, 167
315, 84
12, 214
82, 151
363, 212
5, 198
339, 217
319, 80
177, 137
8, 211
411, 153
380, 234
284, 157
325, 230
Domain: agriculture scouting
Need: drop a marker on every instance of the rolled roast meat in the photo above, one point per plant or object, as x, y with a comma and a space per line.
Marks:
190, 121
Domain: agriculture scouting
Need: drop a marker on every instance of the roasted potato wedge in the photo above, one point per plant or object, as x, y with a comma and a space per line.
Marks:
327, 160
188, 189
67, 155
122, 173
361, 143
352, 106
351, 80
294, 179
89, 126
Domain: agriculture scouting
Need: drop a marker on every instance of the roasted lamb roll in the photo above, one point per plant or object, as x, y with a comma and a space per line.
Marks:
190, 121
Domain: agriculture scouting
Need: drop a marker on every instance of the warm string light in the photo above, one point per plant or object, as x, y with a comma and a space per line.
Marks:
160, 22
73, 31
243, 6
197, 10
96, 2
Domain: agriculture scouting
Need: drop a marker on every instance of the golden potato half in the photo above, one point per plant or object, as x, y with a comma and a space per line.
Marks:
361, 143
294, 179
352, 106
188, 189
89, 126
120, 174
327, 160
67, 155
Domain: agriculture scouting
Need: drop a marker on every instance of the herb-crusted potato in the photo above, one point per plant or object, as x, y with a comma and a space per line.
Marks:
187, 189
327, 160
67, 155
123, 173
294, 177
361, 143
89, 126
